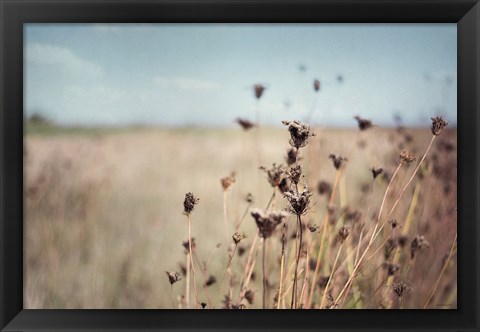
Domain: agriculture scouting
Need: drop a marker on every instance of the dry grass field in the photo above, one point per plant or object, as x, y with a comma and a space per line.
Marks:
104, 219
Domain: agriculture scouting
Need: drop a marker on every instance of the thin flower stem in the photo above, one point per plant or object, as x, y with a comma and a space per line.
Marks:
264, 274
225, 222
191, 260
441, 272
226, 269
299, 251
187, 282
331, 276
282, 263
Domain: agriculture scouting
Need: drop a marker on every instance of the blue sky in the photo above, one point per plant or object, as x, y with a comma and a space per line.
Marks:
203, 74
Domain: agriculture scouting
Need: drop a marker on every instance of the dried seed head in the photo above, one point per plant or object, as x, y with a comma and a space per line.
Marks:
337, 160
267, 222
275, 174
183, 268
438, 123
186, 244
393, 223
204, 305
245, 124
391, 268
295, 173
241, 250
390, 245
249, 198
363, 124
401, 289
291, 157
249, 296
343, 233
376, 171
312, 228
238, 237
324, 187
228, 181
258, 90
299, 133
173, 277
322, 281
350, 215
316, 85
417, 244
407, 157
284, 185
189, 202
210, 281
299, 202
402, 240
238, 306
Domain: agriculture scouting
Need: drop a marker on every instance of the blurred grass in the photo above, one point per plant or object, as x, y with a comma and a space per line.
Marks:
103, 206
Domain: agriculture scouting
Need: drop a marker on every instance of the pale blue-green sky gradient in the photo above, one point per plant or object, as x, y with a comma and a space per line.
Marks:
202, 74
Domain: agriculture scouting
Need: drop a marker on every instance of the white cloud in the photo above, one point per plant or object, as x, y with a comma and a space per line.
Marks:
184, 83
63, 59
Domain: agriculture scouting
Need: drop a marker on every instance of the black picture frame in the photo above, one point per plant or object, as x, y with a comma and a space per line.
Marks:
15, 13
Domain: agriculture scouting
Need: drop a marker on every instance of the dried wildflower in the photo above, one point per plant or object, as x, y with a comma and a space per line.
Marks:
245, 124
299, 133
376, 171
330, 300
438, 123
417, 244
316, 85
268, 222
391, 268
238, 306
299, 202
402, 240
343, 232
275, 174
407, 157
173, 277
183, 269
295, 173
350, 215
186, 244
363, 124
284, 186
337, 160
241, 250
291, 157
393, 223
322, 282
227, 301
189, 202
228, 181
324, 187
312, 228
210, 281
400, 289
390, 245
258, 90
238, 237
249, 296
249, 198
332, 209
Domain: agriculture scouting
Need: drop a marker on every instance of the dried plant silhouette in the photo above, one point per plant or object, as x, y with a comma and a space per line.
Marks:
309, 218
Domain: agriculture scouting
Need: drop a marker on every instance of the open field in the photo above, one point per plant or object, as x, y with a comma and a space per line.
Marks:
104, 217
